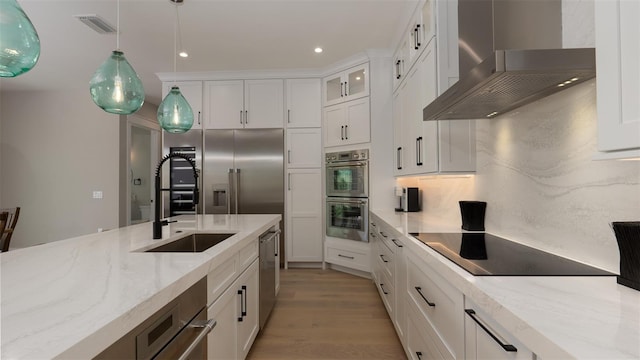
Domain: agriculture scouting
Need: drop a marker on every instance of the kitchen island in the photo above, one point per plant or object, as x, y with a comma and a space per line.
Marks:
554, 317
73, 298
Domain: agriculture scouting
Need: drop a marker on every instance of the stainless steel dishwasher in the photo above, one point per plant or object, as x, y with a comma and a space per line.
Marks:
177, 331
268, 273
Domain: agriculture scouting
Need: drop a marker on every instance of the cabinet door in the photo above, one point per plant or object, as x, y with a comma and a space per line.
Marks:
428, 146
224, 104
398, 167
357, 128
457, 145
248, 284
357, 82
304, 97
333, 89
334, 122
304, 148
192, 92
221, 341
398, 64
411, 121
304, 215
618, 56
264, 104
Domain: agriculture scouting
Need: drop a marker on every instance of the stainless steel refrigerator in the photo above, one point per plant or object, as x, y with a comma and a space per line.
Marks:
243, 172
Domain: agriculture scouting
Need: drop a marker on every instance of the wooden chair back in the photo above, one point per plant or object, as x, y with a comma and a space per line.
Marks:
7, 232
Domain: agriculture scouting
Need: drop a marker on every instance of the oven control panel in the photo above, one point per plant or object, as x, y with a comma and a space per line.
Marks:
347, 155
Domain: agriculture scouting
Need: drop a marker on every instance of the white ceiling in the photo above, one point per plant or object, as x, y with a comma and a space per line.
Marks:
218, 34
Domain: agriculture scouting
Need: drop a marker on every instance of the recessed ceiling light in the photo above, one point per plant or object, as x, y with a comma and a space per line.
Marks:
318, 50
183, 54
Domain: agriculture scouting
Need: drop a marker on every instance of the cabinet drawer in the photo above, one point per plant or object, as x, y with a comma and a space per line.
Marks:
422, 342
440, 303
247, 254
385, 259
348, 258
386, 290
220, 278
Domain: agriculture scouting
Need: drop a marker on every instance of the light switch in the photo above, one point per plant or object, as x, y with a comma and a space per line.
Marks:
97, 194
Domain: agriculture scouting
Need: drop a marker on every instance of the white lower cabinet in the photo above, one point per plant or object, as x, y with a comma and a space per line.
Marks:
439, 305
304, 215
485, 339
236, 316
348, 253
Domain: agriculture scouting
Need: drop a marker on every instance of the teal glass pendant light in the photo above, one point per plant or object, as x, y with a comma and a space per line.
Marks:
115, 87
19, 41
174, 113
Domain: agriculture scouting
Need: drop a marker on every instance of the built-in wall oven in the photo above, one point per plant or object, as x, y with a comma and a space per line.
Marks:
347, 190
348, 173
348, 218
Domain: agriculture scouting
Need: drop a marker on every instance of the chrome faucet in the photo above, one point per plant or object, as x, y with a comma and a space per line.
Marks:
157, 224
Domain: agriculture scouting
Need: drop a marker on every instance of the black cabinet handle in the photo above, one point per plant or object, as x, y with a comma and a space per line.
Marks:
506, 347
342, 132
382, 233
419, 290
346, 132
345, 256
342, 88
419, 355
397, 69
418, 36
244, 298
383, 290
399, 158
419, 151
241, 293
346, 89
383, 260
199, 117
288, 116
395, 241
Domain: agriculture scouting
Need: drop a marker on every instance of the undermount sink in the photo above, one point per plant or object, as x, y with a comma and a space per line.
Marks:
192, 243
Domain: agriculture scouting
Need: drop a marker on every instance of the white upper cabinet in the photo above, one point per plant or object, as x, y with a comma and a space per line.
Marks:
399, 58
347, 85
347, 123
237, 104
192, 92
304, 97
421, 30
617, 59
427, 147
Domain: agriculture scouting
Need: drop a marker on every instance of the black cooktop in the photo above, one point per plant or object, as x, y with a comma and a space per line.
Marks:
486, 254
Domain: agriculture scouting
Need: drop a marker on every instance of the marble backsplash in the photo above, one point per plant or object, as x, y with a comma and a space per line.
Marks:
535, 171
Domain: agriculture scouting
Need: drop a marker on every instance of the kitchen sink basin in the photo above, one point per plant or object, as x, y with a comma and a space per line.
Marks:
192, 243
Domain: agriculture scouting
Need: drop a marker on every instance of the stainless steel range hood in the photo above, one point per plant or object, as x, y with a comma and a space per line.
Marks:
510, 54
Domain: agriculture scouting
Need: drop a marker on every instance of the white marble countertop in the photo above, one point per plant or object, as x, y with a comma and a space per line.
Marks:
555, 317
71, 299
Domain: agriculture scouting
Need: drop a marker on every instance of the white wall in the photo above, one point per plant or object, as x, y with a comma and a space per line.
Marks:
56, 148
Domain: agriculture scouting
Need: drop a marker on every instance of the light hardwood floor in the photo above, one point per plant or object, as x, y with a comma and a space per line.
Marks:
326, 314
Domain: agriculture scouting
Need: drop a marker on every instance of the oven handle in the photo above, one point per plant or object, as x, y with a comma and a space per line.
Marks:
345, 164
206, 327
359, 202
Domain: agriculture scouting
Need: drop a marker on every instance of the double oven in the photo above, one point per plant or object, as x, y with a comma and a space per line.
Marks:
348, 194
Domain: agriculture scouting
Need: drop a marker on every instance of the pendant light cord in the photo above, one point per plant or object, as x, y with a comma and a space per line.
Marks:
175, 50
118, 25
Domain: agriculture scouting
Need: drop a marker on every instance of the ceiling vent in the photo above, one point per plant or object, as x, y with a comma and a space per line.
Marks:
98, 24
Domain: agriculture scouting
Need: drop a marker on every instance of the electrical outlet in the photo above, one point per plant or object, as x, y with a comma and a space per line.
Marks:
97, 194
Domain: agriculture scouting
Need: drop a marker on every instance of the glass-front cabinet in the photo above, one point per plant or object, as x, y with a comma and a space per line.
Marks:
347, 85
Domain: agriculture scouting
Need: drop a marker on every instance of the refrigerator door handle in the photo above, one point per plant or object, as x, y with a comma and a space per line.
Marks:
236, 189
232, 189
